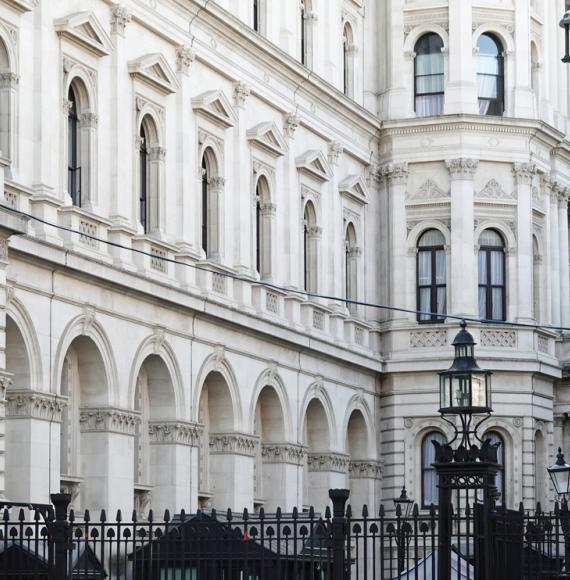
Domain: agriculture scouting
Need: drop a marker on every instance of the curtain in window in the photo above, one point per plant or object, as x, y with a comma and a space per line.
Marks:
490, 76
429, 75
430, 491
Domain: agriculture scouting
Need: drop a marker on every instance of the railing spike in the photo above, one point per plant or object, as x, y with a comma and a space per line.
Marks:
521, 508
166, 517
245, 515
348, 511
86, 516
182, 515
134, 516
214, 514
416, 510
261, 513
295, 513
278, 513
328, 513
103, 516
364, 511
311, 512
119, 517
229, 515
381, 511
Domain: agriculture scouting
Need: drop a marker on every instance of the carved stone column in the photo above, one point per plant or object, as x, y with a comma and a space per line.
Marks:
554, 255
524, 174
232, 461
174, 464
107, 458
463, 271
33, 422
325, 470
282, 465
564, 266
215, 218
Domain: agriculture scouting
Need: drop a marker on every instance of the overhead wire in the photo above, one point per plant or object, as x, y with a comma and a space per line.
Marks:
288, 290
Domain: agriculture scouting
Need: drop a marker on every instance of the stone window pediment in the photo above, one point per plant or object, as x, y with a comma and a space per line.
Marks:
154, 70
355, 188
267, 137
314, 164
22, 5
216, 107
84, 29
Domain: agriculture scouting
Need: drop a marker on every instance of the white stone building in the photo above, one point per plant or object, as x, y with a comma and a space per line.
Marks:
232, 153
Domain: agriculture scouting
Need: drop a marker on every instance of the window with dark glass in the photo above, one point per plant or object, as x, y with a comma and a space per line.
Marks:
144, 179
429, 475
256, 15
258, 232
205, 200
491, 276
303, 33
73, 169
429, 76
497, 438
432, 277
490, 75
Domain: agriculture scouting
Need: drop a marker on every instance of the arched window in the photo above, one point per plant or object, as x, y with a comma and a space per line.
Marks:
536, 259
495, 438
348, 64
429, 475
351, 266
492, 303
143, 179
205, 203
432, 276
534, 77
429, 77
264, 212
73, 168
8, 100
306, 32
490, 75
212, 189
310, 237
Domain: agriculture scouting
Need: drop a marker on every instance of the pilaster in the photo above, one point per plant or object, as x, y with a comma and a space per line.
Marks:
564, 266
555, 255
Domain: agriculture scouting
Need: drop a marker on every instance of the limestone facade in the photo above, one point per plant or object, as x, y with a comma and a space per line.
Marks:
182, 339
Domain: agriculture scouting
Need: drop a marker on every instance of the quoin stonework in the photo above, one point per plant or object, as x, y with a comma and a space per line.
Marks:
409, 153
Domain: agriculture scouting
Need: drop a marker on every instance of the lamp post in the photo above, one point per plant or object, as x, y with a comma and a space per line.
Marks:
565, 23
466, 462
560, 476
403, 531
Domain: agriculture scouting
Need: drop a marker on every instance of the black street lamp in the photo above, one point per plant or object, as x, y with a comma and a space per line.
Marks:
403, 530
565, 23
560, 476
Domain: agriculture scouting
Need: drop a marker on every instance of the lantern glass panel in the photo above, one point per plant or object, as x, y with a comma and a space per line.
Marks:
478, 390
560, 476
461, 388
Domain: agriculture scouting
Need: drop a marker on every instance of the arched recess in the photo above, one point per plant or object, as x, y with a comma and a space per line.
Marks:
537, 277
348, 59
8, 97
212, 189
311, 236
535, 66
85, 382
540, 473
17, 356
264, 225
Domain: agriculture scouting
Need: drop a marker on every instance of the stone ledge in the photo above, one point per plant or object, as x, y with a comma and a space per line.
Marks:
23, 404
338, 462
108, 420
175, 432
284, 453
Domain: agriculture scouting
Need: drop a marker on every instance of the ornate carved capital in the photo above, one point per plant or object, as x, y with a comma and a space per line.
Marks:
5, 382
217, 183
314, 231
120, 17
89, 120
24, 404
108, 419
292, 122
335, 151
178, 432
365, 469
328, 462
395, 173
462, 167
524, 172
9, 80
157, 153
233, 444
185, 56
284, 453
241, 92
268, 208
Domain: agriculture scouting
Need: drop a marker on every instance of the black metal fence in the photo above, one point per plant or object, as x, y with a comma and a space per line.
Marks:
48, 543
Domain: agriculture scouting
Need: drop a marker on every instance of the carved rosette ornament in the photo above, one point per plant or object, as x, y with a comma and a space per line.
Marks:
24, 404
366, 469
175, 432
462, 168
120, 17
185, 56
108, 420
337, 462
284, 453
524, 173
233, 444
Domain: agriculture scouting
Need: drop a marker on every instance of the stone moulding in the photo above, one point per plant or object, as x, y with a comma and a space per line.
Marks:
284, 453
328, 462
35, 405
108, 420
499, 338
365, 469
428, 338
175, 432
233, 444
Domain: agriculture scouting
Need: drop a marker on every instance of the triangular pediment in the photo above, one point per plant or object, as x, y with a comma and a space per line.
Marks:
216, 107
84, 29
314, 164
268, 137
354, 187
154, 70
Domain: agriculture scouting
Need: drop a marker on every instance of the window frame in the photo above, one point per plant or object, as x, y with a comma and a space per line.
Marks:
488, 286
501, 66
416, 75
144, 175
205, 204
73, 154
429, 468
433, 286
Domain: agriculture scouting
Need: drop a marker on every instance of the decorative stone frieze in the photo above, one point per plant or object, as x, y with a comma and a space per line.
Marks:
328, 462
395, 173
23, 404
179, 432
284, 453
108, 419
499, 338
428, 338
429, 190
365, 469
524, 173
462, 167
185, 56
494, 190
233, 443
120, 17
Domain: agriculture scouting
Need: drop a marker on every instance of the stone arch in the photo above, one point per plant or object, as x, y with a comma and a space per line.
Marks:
316, 392
17, 356
211, 155
418, 31
420, 229
270, 378
540, 465
149, 118
83, 86
86, 326
502, 34
155, 345
502, 228
358, 405
22, 321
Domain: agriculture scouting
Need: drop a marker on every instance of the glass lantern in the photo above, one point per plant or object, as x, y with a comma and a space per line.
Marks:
560, 475
565, 23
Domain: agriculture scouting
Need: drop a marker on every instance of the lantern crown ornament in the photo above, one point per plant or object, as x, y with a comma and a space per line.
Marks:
560, 476
565, 24
406, 504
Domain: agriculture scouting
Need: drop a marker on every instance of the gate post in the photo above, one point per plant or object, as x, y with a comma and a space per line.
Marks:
61, 535
339, 498
444, 529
